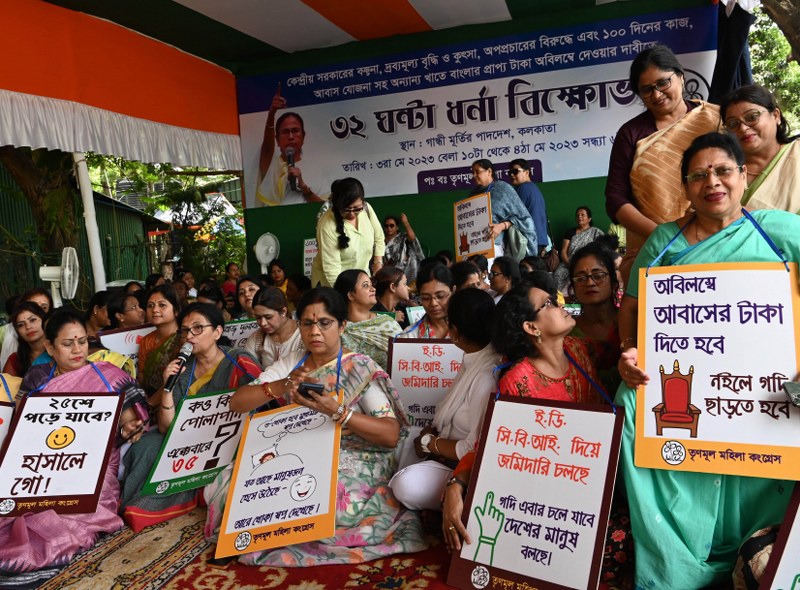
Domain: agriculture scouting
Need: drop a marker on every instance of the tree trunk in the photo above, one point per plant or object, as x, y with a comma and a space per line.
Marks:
786, 14
45, 178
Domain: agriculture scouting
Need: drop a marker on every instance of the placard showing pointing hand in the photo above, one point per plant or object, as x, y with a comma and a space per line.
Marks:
540, 495
57, 452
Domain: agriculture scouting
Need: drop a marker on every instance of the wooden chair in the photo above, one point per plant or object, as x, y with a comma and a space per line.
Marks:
675, 409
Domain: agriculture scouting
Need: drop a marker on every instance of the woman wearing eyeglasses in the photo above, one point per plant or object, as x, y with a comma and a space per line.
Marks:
531, 330
369, 522
211, 368
124, 311
503, 276
707, 516
644, 186
47, 540
349, 235
434, 285
366, 332
594, 281
772, 157
403, 250
507, 208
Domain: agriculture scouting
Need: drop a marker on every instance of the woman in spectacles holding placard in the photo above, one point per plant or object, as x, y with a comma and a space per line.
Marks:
752, 114
369, 522
644, 185
349, 235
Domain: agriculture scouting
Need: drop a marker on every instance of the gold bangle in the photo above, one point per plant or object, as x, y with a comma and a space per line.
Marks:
436, 445
265, 387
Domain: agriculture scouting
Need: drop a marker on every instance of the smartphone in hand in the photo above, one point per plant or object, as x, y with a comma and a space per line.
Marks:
305, 388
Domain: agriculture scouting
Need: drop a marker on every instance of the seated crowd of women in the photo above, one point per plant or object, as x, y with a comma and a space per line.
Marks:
669, 529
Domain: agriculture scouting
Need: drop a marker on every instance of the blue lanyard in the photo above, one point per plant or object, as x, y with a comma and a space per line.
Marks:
597, 387
411, 329
53, 370
747, 215
7, 388
184, 394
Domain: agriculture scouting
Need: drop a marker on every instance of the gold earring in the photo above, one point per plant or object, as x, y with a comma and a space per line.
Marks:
538, 335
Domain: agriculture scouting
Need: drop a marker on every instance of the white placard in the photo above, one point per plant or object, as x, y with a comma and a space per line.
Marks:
239, 331
472, 217
57, 451
201, 441
541, 492
422, 371
310, 250
125, 340
284, 481
723, 335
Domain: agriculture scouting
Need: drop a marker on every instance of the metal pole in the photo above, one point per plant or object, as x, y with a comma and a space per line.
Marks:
90, 219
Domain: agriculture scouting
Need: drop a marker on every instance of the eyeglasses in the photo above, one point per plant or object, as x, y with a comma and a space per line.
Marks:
719, 172
70, 343
493, 273
750, 118
549, 302
323, 324
389, 225
514, 171
131, 308
597, 277
660, 85
196, 330
440, 297
355, 210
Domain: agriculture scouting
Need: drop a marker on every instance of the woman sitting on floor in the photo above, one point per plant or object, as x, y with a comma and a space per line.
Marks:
369, 522
366, 332
46, 541
435, 286
278, 334
211, 368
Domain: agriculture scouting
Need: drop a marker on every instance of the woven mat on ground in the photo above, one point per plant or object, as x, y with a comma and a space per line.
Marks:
173, 556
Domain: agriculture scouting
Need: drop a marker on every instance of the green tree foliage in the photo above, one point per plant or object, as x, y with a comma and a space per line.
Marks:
774, 67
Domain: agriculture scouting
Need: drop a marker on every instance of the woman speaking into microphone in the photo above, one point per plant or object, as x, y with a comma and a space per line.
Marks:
202, 366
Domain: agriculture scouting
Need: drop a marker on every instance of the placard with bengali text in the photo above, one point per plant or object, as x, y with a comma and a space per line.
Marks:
201, 441
283, 489
422, 370
56, 453
471, 219
718, 341
539, 497
239, 331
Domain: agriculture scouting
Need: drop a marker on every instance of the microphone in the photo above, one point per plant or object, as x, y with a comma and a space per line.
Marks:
183, 356
290, 163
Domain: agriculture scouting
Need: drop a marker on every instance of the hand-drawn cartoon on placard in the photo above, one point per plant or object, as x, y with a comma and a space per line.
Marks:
239, 331
715, 403
539, 496
200, 442
56, 453
283, 488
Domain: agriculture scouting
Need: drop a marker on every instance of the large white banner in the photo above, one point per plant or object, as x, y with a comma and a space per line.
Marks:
414, 122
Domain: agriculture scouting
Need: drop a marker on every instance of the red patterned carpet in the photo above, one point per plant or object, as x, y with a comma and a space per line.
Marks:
173, 556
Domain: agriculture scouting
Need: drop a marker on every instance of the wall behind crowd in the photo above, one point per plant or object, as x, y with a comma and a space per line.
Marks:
572, 176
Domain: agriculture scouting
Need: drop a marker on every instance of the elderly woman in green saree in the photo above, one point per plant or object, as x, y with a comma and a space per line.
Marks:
370, 523
688, 526
211, 368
